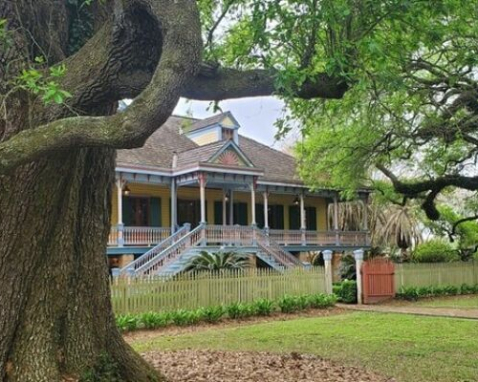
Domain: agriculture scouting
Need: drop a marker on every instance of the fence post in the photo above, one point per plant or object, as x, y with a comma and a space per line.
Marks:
328, 270
358, 255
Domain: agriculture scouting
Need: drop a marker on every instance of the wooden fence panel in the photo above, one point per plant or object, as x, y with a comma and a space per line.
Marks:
436, 274
191, 291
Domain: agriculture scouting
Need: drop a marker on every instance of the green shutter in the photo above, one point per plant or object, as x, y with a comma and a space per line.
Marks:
294, 217
279, 217
155, 212
218, 213
127, 211
260, 215
240, 214
311, 218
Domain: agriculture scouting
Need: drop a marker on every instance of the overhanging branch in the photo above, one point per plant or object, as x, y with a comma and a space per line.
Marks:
178, 63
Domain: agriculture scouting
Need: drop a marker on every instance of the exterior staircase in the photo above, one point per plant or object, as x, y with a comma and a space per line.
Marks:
172, 255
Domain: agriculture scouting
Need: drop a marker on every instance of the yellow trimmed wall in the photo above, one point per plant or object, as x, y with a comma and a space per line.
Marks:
213, 195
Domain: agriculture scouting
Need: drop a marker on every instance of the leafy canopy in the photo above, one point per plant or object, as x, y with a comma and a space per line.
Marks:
412, 109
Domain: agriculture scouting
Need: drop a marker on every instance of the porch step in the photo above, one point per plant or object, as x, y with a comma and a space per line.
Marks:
268, 259
179, 264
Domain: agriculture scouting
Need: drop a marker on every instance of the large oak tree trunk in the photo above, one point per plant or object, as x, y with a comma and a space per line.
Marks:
56, 319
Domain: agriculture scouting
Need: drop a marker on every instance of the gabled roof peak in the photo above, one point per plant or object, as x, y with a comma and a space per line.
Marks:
225, 120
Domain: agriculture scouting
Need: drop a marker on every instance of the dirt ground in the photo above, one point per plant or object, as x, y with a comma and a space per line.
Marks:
217, 366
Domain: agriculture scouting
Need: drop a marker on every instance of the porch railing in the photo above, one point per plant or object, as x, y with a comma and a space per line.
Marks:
240, 236
229, 235
322, 238
155, 251
146, 236
191, 239
266, 244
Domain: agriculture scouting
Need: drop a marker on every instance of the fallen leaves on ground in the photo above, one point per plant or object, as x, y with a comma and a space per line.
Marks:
219, 366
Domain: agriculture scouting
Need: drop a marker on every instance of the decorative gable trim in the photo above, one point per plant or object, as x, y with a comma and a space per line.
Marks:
231, 155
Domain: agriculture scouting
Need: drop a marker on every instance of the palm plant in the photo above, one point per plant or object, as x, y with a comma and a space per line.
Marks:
391, 225
216, 261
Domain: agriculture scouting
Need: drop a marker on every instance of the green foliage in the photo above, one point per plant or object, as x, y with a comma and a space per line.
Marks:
451, 224
264, 307
346, 291
212, 314
217, 261
406, 67
47, 88
153, 320
182, 317
414, 293
240, 310
128, 322
105, 370
434, 251
289, 304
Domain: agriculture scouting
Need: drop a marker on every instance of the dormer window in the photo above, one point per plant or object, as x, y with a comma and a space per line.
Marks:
221, 127
227, 134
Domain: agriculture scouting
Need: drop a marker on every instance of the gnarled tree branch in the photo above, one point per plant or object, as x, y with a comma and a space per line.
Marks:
179, 62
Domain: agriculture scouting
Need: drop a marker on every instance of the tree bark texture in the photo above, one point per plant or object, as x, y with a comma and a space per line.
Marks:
56, 317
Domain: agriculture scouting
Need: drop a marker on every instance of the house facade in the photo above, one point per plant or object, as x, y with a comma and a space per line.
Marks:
199, 184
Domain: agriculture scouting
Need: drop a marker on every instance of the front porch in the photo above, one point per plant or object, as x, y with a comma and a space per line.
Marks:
143, 238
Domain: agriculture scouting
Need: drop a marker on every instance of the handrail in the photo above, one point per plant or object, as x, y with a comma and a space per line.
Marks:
269, 246
149, 255
191, 239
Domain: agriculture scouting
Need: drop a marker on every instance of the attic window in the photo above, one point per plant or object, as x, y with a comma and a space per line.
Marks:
227, 134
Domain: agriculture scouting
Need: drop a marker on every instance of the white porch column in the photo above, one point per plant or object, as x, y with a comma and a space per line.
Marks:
202, 194
266, 210
302, 213
358, 255
328, 270
224, 207
253, 203
231, 207
120, 226
174, 206
303, 223
336, 220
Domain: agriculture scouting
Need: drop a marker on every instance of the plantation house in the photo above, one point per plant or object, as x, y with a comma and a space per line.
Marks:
199, 184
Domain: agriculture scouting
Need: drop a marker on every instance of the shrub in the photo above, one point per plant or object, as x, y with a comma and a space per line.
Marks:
128, 322
409, 293
240, 310
288, 304
346, 291
152, 320
184, 317
434, 251
263, 307
322, 301
212, 314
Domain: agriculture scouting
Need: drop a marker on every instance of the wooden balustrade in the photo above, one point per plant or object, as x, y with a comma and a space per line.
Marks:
241, 236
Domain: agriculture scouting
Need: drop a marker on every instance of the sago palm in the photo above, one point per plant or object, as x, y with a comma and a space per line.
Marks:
216, 261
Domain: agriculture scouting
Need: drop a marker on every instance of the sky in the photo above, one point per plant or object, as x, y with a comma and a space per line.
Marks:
255, 115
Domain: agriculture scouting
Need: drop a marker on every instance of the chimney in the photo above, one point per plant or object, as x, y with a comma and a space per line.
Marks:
175, 159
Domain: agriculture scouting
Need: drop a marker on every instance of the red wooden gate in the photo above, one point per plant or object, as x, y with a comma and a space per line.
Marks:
378, 280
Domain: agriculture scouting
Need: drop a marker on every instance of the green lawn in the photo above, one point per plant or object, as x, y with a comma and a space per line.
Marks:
409, 348
462, 302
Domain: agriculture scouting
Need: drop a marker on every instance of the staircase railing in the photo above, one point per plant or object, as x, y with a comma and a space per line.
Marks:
191, 239
269, 246
132, 267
